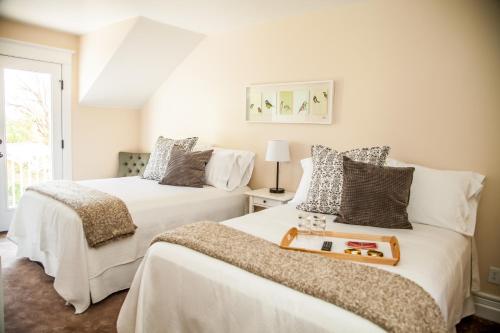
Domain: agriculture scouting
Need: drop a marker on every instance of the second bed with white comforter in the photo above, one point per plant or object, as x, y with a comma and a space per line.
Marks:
177, 289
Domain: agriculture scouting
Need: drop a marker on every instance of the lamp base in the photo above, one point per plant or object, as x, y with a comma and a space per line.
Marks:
277, 190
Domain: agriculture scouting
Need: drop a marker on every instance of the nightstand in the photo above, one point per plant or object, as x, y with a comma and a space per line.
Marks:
263, 198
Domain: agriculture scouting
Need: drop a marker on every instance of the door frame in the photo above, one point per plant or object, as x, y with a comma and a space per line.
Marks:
62, 57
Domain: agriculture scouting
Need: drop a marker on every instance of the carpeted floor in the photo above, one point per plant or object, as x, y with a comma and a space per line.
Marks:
32, 304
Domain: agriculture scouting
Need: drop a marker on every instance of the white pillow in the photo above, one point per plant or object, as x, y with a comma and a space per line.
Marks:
229, 169
443, 198
305, 181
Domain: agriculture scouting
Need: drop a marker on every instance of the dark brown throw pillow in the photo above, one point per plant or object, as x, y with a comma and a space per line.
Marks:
375, 196
186, 168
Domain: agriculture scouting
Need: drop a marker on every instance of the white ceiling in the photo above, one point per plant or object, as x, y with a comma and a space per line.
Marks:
138, 65
205, 16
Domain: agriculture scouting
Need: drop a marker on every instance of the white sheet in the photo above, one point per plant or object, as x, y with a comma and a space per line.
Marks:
179, 290
51, 233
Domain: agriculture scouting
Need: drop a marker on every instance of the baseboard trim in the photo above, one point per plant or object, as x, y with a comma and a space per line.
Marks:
487, 306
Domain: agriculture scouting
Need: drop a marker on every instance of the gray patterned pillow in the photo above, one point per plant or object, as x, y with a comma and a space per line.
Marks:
375, 196
158, 161
325, 192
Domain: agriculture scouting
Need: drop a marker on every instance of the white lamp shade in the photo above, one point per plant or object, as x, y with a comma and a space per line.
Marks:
278, 151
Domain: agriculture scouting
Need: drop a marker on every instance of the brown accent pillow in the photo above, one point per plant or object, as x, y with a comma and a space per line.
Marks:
186, 168
375, 196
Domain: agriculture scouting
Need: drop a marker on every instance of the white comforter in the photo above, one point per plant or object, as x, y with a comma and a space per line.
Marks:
47, 231
179, 290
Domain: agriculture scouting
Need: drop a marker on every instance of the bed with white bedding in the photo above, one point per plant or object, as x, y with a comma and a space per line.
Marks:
50, 232
177, 289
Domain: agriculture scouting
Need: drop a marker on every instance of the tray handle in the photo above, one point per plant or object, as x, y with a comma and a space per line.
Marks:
289, 237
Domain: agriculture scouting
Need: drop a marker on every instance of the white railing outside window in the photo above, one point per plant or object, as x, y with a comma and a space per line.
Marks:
27, 164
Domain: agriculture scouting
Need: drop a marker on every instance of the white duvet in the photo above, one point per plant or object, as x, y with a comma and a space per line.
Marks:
50, 232
179, 290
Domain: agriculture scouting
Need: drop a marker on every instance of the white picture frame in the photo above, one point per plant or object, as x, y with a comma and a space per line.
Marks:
308, 102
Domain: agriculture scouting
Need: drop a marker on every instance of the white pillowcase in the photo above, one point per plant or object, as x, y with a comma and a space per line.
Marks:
446, 199
305, 181
229, 169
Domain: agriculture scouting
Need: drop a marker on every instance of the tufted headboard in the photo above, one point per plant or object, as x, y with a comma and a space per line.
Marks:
132, 164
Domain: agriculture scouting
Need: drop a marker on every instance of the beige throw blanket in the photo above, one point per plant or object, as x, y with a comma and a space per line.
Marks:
104, 217
387, 299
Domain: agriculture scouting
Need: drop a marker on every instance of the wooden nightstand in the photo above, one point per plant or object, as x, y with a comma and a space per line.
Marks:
263, 198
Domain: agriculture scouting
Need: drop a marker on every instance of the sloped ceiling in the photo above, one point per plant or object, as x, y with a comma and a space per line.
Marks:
122, 65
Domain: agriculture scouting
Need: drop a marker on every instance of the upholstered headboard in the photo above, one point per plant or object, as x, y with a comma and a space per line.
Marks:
132, 164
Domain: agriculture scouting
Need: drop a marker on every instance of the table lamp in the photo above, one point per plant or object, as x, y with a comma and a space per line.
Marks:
277, 151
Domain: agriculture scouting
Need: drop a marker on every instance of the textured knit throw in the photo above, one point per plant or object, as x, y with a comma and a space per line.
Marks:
104, 217
389, 300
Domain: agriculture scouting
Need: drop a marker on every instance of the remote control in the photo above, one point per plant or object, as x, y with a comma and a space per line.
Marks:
327, 246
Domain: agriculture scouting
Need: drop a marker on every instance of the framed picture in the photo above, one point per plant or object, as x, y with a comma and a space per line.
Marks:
294, 102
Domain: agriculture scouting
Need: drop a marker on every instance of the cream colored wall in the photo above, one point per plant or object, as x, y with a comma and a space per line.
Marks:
420, 76
98, 134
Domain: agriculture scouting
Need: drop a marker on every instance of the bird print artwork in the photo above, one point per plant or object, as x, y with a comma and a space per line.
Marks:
286, 102
268, 104
254, 99
303, 107
284, 107
318, 106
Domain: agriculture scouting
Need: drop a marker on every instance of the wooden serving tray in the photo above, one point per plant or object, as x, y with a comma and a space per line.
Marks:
292, 234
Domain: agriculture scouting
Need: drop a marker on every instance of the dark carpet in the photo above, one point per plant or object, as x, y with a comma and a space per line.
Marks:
32, 304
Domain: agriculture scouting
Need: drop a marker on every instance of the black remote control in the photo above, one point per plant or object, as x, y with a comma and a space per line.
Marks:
327, 246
